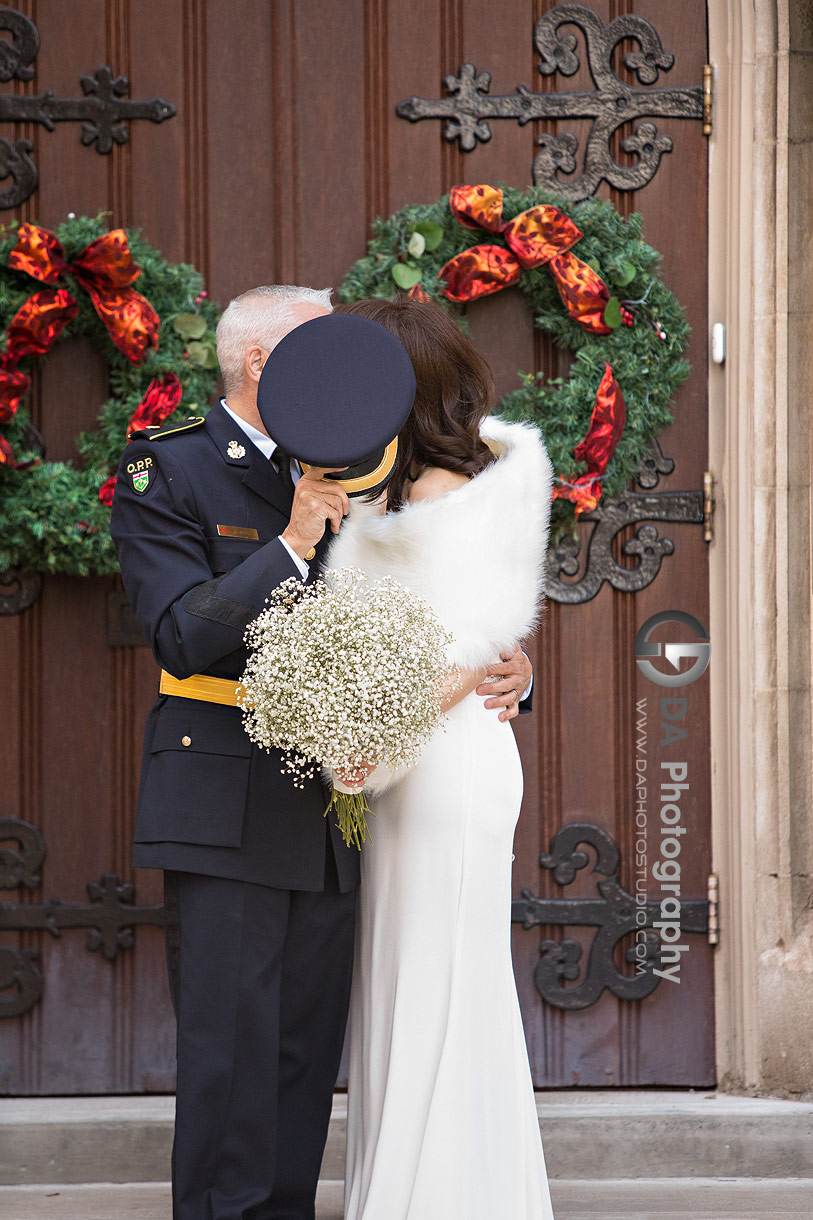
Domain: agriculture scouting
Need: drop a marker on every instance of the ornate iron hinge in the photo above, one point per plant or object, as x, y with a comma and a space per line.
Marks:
627, 508
111, 915
104, 111
615, 914
612, 104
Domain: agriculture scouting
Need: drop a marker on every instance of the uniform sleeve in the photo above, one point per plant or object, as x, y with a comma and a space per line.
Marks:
190, 617
526, 699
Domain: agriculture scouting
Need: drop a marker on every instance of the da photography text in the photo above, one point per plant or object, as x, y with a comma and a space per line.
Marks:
663, 768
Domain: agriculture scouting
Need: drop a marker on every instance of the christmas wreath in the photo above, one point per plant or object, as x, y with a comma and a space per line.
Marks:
158, 341
592, 283
591, 280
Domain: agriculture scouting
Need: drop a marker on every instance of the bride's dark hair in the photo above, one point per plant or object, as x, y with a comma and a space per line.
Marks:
455, 392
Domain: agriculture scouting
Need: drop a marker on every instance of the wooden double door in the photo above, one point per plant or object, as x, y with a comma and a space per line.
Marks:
285, 147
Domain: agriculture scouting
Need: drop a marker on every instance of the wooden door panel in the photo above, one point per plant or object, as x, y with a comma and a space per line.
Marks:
285, 147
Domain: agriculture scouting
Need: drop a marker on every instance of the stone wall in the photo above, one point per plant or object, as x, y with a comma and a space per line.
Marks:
761, 232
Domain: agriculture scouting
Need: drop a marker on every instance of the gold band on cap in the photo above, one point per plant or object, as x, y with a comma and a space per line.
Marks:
366, 481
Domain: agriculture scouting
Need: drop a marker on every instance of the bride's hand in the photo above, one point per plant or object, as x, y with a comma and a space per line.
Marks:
357, 777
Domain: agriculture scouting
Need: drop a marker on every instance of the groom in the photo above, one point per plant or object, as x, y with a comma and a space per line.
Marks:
208, 517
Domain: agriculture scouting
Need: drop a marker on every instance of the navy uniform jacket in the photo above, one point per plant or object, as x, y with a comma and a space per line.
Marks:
218, 805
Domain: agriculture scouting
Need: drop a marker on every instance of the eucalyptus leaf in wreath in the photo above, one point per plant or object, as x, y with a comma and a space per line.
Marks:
432, 233
612, 313
406, 276
190, 325
203, 354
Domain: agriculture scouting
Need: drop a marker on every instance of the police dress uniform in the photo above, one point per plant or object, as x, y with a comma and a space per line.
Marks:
262, 882
260, 887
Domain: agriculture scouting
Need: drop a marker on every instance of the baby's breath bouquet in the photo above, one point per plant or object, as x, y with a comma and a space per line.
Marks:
341, 673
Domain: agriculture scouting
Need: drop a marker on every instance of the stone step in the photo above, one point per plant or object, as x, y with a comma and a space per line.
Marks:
586, 1135
642, 1199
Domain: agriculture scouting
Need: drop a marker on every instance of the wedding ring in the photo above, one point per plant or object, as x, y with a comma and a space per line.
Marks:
516, 692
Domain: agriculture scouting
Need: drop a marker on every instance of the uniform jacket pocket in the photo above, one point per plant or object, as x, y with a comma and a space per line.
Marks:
226, 553
196, 779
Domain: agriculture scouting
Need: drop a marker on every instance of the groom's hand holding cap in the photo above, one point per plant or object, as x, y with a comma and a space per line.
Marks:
335, 393
315, 501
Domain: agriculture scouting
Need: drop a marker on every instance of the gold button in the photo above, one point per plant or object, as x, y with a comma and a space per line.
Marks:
186, 741
311, 554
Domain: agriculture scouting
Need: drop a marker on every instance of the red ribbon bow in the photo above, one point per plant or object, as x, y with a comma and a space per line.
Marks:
602, 436
106, 271
108, 490
35, 327
540, 236
161, 398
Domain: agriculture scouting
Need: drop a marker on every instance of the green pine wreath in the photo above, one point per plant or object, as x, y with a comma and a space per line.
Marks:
410, 248
52, 519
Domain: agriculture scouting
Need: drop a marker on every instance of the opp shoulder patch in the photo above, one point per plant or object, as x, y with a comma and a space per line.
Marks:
156, 433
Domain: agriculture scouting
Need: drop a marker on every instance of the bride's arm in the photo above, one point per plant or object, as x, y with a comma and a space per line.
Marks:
470, 679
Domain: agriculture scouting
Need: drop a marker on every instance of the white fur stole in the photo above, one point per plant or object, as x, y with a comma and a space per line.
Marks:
477, 554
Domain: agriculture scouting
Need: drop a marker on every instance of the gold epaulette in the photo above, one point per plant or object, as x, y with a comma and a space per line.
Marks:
158, 432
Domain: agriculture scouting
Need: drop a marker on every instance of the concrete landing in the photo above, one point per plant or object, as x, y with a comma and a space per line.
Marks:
590, 1136
647, 1199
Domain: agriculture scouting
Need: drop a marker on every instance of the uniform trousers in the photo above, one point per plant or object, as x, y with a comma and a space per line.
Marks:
261, 986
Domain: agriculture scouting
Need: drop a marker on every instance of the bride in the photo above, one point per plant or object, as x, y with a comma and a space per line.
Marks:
442, 1120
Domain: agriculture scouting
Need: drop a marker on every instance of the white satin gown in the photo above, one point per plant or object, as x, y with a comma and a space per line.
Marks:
442, 1121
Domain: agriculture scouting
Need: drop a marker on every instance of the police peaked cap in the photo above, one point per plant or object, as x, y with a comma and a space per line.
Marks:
336, 391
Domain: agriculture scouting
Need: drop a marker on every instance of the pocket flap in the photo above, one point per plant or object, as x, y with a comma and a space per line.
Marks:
226, 553
209, 728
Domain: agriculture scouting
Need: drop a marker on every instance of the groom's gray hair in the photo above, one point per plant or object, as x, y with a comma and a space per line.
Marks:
259, 318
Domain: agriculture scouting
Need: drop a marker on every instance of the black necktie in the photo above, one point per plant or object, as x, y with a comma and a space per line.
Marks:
283, 461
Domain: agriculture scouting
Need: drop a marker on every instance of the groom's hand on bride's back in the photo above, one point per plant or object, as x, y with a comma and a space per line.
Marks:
316, 501
509, 681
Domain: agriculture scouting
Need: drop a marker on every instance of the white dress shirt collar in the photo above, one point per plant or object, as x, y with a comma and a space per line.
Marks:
263, 442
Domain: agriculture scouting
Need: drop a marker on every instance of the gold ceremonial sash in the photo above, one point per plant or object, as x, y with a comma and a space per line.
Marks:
203, 687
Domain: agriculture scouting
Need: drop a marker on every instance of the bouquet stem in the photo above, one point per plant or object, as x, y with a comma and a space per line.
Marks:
351, 810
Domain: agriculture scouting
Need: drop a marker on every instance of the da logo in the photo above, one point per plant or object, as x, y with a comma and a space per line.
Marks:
672, 652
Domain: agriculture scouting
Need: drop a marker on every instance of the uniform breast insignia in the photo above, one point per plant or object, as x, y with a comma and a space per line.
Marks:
237, 531
235, 450
140, 472
172, 429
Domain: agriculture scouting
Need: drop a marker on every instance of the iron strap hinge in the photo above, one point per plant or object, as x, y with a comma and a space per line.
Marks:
714, 909
708, 97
